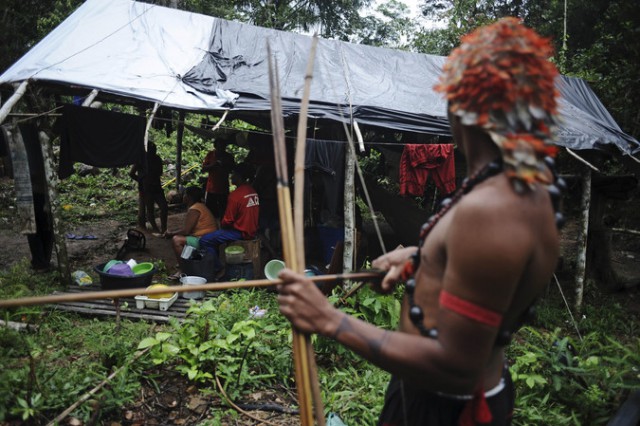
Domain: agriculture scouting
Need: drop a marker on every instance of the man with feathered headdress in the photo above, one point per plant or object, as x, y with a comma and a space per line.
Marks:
482, 259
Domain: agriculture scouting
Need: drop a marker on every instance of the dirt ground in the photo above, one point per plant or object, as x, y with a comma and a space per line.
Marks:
84, 254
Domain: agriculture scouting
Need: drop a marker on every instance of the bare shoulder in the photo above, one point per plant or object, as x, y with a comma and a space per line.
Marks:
494, 237
496, 204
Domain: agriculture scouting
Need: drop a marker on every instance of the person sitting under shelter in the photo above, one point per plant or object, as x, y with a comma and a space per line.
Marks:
240, 220
198, 222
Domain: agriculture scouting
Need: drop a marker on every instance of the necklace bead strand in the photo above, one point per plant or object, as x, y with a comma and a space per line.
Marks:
416, 313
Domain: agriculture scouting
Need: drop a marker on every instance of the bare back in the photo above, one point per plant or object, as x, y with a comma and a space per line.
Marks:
496, 249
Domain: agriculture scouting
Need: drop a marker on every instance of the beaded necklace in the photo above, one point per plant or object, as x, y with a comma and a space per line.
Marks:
493, 168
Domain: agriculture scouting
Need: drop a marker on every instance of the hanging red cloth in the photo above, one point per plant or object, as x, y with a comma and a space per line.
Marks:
418, 162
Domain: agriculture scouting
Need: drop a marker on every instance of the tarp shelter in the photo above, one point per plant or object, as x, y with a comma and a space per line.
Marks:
195, 62
140, 52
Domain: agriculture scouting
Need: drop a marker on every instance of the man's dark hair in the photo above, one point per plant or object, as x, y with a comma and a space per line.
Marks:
194, 193
245, 170
151, 148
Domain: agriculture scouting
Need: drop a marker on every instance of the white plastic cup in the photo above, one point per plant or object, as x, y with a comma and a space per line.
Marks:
187, 251
273, 268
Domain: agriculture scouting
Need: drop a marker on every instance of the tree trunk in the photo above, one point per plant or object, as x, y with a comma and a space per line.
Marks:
22, 179
599, 245
581, 260
52, 188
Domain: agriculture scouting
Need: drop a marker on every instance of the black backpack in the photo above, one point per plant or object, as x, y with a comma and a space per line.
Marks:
135, 241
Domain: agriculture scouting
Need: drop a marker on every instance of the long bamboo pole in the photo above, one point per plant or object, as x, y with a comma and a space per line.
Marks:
301, 144
142, 291
300, 356
299, 221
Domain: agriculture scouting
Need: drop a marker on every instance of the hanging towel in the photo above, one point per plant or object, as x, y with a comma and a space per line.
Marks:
327, 157
418, 162
99, 138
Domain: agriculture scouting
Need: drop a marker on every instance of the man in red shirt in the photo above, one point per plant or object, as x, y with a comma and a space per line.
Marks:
240, 221
217, 163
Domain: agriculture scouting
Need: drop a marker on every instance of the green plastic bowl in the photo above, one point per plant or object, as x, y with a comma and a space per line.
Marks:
234, 250
109, 264
142, 268
273, 268
234, 254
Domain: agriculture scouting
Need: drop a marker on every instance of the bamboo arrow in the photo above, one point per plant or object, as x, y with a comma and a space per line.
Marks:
299, 220
300, 346
131, 292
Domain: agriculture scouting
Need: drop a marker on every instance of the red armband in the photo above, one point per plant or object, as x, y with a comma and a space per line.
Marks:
470, 310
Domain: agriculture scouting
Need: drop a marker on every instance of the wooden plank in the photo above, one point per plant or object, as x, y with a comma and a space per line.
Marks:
180, 302
108, 304
96, 309
130, 308
123, 314
106, 307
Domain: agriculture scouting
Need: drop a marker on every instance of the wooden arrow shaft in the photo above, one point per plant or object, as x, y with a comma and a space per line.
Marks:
131, 292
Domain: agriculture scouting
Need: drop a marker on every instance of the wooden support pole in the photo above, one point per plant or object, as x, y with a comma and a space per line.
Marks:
356, 128
6, 108
179, 135
626, 231
349, 210
581, 261
90, 97
148, 126
18, 326
59, 242
582, 160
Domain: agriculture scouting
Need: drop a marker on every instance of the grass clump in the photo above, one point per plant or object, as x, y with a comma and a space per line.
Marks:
47, 370
574, 374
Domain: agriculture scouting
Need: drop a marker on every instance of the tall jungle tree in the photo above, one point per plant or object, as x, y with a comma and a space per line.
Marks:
595, 40
24, 22
331, 19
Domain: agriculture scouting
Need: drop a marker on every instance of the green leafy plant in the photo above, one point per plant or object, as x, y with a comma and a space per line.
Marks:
220, 337
571, 381
28, 409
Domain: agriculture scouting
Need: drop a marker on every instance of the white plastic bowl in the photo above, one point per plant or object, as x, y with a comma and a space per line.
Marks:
191, 280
